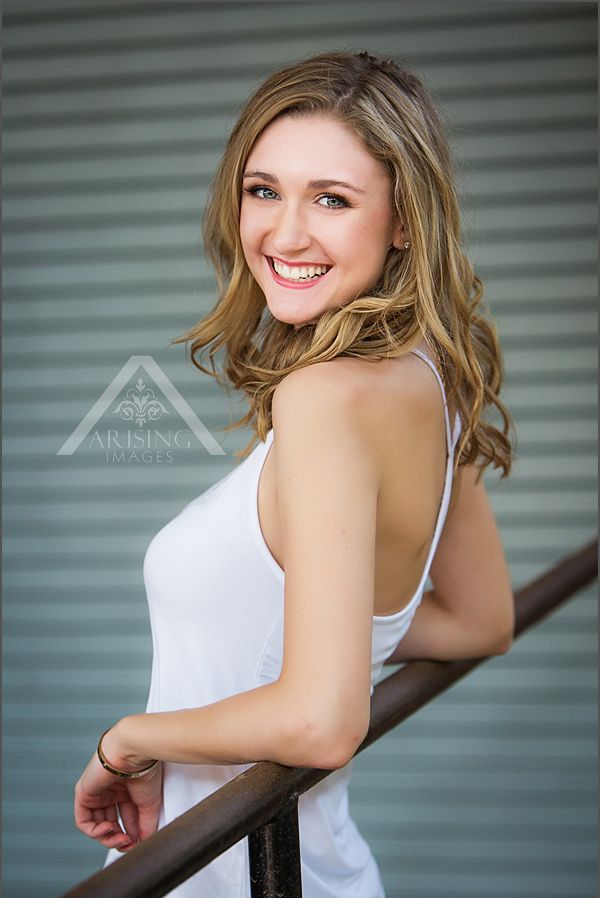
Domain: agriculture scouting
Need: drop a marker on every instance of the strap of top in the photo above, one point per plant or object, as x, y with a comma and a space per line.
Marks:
451, 438
445, 500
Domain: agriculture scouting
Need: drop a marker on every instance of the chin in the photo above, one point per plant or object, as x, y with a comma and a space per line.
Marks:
296, 320
297, 327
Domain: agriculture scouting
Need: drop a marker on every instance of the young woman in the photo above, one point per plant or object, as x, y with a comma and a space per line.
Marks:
348, 316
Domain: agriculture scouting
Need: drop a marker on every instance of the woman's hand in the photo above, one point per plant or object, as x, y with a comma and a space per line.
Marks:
99, 795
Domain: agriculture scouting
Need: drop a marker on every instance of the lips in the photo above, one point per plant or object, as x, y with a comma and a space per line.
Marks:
299, 264
294, 285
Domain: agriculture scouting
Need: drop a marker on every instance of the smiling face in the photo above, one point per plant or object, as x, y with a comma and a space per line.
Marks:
288, 217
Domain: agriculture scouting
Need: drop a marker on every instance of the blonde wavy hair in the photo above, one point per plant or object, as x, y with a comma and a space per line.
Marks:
428, 291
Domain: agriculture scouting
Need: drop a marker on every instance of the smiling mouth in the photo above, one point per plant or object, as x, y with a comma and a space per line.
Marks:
299, 281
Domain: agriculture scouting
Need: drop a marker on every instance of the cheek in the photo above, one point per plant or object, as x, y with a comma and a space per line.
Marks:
373, 239
252, 235
248, 220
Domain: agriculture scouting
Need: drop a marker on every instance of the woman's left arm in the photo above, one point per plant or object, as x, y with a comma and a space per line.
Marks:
318, 711
470, 611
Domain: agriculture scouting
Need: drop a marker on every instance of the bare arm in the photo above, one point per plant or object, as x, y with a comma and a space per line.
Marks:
317, 712
470, 611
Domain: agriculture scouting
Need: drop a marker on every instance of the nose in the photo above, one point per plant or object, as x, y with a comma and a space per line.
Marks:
289, 234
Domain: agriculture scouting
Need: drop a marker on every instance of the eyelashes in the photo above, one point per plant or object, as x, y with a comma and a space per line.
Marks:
253, 191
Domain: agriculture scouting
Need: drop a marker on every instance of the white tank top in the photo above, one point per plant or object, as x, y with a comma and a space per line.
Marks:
216, 597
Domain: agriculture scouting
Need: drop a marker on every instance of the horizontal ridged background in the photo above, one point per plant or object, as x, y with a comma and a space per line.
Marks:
116, 114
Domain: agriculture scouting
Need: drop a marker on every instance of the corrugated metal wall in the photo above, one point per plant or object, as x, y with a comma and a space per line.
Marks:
115, 116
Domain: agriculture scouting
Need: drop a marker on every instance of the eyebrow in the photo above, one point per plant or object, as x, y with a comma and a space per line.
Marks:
321, 184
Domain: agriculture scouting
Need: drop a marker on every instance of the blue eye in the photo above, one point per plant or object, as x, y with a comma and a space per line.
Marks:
253, 191
334, 196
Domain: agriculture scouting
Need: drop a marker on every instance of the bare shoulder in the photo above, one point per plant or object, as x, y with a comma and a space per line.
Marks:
320, 419
330, 379
375, 390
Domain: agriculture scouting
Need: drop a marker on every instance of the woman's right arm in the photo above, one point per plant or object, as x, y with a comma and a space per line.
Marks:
469, 613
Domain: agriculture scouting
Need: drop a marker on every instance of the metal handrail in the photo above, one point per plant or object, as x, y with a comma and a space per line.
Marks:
262, 802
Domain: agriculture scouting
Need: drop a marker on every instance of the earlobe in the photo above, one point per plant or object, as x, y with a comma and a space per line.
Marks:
399, 240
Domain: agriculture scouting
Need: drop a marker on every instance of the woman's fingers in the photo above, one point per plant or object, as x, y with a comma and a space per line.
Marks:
107, 813
101, 824
148, 822
130, 818
118, 841
111, 835
107, 832
117, 815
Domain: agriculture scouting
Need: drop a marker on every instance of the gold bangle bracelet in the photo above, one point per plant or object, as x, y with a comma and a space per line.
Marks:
122, 773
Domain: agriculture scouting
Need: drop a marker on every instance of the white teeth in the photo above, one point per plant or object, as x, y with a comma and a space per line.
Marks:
296, 274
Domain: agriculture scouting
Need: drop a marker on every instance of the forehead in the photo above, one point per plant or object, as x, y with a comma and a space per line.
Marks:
318, 145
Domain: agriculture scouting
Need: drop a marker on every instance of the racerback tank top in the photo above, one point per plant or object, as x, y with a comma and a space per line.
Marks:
216, 597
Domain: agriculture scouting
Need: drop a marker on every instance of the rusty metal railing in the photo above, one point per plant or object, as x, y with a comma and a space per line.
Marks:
262, 802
